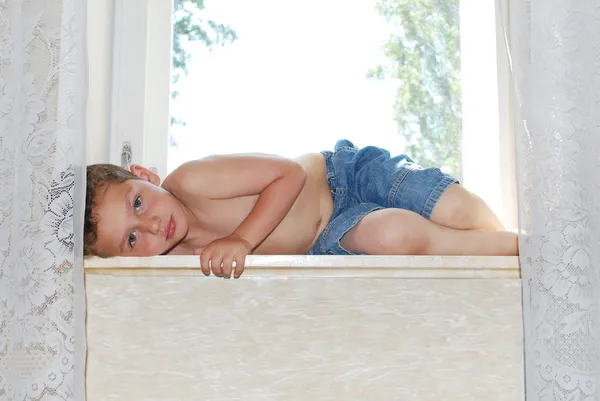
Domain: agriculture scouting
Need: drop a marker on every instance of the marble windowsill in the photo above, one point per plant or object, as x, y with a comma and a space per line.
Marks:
302, 266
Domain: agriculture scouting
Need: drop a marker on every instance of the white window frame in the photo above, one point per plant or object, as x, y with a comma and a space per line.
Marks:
141, 95
488, 136
141, 86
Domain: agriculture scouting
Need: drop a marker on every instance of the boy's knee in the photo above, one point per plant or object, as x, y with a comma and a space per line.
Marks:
403, 233
404, 242
456, 205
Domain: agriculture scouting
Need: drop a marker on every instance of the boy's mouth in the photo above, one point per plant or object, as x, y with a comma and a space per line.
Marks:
170, 228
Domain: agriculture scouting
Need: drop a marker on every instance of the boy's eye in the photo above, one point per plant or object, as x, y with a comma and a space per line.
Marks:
132, 238
137, 203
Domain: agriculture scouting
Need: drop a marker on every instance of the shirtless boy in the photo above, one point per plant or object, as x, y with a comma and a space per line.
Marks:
348, 201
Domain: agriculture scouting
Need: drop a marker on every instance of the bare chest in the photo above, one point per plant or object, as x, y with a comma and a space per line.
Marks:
219, 218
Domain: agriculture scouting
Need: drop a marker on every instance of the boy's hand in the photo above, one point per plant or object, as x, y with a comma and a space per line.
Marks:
220, 254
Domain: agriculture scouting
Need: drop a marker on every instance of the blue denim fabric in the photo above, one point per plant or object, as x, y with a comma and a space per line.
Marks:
369, 179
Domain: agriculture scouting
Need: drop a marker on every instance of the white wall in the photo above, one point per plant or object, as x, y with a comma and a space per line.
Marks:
100, 40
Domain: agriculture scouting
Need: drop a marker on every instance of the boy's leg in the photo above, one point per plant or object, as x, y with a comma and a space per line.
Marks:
463, 210
402, 232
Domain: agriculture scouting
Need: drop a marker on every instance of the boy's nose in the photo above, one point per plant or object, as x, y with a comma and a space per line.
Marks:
151, 225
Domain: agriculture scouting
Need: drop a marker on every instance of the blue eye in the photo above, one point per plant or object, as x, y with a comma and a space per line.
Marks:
132, 238
137, 203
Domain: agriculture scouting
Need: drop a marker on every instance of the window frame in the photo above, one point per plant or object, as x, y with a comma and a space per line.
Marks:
488, 137
140, 111
141, 85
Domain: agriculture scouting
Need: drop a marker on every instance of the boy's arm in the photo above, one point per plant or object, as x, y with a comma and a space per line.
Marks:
276, 180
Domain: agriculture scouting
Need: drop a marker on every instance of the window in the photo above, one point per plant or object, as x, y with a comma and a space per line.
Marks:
290, 77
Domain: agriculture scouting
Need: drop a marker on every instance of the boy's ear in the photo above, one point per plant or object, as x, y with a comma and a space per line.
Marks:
144, 174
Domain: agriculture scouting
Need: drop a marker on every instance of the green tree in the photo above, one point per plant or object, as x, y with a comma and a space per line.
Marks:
190, 26
423, 56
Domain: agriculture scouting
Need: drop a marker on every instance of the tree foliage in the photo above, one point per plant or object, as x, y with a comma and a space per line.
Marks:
423, 56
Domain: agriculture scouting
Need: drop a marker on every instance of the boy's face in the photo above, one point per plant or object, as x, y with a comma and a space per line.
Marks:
139, 218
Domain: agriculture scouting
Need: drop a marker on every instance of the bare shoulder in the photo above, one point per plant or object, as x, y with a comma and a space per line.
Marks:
207, 167
178, 182
230, 176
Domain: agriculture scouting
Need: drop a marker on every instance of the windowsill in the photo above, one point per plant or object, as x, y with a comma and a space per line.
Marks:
302, 266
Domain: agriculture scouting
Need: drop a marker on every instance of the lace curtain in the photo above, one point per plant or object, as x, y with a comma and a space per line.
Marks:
555, 48
42, 166
556, 61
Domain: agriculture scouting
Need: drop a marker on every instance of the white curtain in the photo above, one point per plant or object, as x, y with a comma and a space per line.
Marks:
556, 60
42, 167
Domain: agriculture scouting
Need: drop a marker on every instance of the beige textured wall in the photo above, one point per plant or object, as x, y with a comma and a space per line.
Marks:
192, 338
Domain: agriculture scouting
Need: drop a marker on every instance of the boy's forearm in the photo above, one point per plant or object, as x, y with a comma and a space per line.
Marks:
273, 204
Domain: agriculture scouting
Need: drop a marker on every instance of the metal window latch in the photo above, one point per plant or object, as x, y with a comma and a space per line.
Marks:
126, 155
127, 158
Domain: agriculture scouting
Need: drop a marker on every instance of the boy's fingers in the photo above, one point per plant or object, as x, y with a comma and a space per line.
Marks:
204, 263
240, 262
215, 265
227, 266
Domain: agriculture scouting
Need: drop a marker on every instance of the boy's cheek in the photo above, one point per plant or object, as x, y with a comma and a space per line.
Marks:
154, 247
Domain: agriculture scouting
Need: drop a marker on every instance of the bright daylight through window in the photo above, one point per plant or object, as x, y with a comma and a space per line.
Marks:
289, 77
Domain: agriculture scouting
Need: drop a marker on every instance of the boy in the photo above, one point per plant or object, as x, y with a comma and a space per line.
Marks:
349, 201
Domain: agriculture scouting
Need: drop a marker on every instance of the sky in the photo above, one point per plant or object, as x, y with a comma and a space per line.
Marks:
294, 82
